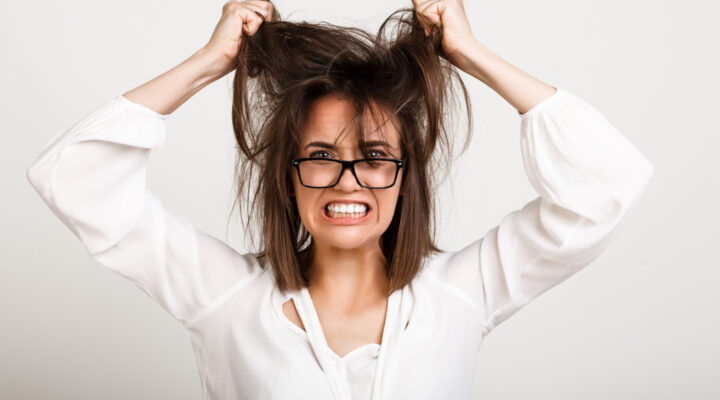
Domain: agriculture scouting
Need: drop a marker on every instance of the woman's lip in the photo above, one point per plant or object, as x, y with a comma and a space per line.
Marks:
345, 220
348, 202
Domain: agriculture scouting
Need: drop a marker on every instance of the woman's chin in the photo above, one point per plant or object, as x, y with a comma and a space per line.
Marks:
347, 242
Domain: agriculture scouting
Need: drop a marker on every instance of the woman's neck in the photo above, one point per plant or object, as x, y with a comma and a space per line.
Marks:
351, 278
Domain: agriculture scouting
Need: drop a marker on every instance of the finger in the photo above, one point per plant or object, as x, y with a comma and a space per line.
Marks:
421, 3
424, 22
251, 22
269, 10
264, 8
259, 11
427, 14
431, 13
252, 26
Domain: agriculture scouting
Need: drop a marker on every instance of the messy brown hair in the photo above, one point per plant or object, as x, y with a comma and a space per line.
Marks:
282, 69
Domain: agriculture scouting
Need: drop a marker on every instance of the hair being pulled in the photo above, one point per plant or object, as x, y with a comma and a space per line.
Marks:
282, 69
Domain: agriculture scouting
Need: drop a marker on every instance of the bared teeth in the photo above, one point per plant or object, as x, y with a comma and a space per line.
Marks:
346, 208
333, 214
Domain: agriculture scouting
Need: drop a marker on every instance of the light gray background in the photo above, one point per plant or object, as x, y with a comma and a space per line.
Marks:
641, 322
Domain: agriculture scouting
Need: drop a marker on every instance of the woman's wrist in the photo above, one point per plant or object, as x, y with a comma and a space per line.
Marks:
211, 65
517, 87
472, 59
165, 93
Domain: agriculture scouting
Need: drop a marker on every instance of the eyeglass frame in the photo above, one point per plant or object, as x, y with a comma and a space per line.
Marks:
345, 165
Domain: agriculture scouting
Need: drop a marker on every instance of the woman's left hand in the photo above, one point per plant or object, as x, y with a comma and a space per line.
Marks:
449, 16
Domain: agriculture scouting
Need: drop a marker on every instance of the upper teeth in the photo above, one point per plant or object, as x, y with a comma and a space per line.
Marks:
347, 208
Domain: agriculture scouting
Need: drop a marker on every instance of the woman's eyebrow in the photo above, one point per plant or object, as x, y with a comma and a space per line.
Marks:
325, 145
374, 143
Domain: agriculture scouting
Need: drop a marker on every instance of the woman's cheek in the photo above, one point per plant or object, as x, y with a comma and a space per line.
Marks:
386, 213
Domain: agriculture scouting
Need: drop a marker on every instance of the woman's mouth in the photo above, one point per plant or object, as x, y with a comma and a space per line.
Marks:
346, 213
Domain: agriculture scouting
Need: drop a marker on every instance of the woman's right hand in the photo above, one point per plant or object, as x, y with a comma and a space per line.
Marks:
238, 18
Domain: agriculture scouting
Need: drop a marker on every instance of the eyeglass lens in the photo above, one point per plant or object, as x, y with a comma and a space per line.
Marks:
372, 173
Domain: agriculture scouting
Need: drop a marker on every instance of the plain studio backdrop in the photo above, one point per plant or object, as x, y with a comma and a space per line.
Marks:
640, 322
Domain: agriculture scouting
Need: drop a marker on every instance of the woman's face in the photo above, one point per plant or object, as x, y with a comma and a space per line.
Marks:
320, 209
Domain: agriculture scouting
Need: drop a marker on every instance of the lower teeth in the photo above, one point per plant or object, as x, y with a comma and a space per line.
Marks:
345, 215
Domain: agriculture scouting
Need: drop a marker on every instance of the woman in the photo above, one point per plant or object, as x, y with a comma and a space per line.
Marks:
349, 297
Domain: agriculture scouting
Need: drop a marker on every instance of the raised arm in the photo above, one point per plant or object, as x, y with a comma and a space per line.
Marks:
589, 178
170, 90
463, 50
93, 177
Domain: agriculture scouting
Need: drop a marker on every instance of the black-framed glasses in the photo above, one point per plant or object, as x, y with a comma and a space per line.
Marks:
371, 173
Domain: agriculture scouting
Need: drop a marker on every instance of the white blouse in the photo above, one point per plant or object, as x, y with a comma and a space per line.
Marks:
589, 178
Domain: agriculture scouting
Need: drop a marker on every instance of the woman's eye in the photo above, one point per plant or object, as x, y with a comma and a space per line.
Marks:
320, 154
377, 152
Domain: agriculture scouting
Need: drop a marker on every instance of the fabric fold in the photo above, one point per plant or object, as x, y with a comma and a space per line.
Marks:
589, 178
93, 178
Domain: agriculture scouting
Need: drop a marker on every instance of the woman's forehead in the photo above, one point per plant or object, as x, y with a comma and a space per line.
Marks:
331, 120
334, 140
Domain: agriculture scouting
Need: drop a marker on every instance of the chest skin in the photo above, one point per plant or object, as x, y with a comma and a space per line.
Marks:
345, 332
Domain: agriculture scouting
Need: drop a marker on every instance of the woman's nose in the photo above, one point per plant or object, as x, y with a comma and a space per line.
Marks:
347, 181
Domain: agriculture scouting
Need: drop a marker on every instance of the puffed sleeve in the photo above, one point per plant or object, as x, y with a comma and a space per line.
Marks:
589, 178
93, 178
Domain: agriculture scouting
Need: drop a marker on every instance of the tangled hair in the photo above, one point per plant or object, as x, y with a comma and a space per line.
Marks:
282, 69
